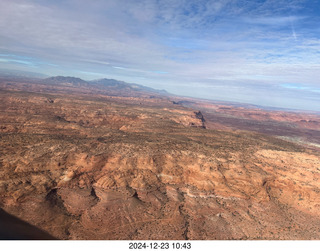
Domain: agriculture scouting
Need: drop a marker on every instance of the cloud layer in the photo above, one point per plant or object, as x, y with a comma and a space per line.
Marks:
237, 50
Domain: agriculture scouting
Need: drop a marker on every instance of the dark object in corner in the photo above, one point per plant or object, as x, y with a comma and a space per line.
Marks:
12, 228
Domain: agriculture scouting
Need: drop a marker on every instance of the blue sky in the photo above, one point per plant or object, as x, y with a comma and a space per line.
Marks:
265, 52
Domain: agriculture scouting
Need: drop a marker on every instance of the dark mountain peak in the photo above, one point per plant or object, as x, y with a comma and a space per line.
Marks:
111, 86
112, 83
73, 81
121, 85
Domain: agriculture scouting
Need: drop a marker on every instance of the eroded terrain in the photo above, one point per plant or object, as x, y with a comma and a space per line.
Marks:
82, 164
301, 127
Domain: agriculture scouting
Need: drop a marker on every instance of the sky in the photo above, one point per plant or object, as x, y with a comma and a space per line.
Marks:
263, 52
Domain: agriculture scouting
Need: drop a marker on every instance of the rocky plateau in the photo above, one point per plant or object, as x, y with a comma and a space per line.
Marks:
84, 161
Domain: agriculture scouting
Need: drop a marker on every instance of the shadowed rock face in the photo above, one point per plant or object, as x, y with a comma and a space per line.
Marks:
83, 166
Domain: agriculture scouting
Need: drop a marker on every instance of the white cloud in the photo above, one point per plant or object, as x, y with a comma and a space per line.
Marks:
223, 41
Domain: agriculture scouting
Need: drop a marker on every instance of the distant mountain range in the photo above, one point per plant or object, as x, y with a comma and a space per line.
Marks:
113, 86
70, 81
123, 85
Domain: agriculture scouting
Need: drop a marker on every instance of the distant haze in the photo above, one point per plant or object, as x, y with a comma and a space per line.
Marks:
264, 52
